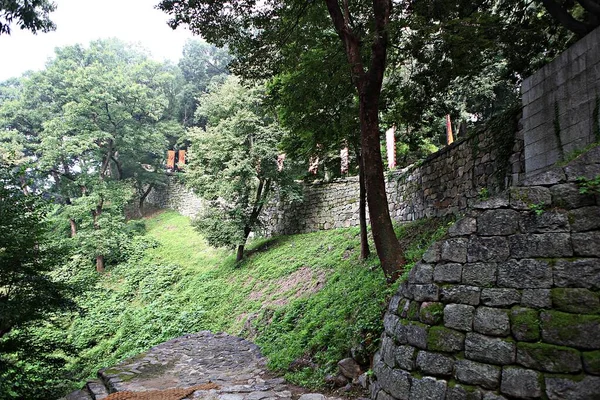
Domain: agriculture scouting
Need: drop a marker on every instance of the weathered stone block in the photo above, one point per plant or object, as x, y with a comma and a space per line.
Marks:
491, 321
548, 221
523, 274
394, 303
492, 396
479, 274
458, 392
428, 292
551, 177
390, 321
525, 324
581, 301
444, 339
561, 388
575, 330
409, 309
405, 357
540, 245
521, 198
521, 383
454, 250
583, 273
447, 273
498, 222
488, 249
462, 227
489, 349
416, 334
435, 363
494, 202
585, 219
431, 313
428, 388
586, 244
537, 298
433, 253
591, 362
496, 297
460, 294
548, 358
459, 316
474, 373
388, 352
421, 273
567, 196
382, 395
395, 382
400, 333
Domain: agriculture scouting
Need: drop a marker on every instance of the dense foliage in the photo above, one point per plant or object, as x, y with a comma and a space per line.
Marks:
33, 15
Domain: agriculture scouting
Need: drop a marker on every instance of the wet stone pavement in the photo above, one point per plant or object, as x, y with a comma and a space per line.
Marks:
233, 365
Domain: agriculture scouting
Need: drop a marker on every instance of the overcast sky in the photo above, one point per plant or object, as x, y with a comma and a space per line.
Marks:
81, 21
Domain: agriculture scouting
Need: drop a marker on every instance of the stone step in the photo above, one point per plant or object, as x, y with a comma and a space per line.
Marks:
78, 395
97, 389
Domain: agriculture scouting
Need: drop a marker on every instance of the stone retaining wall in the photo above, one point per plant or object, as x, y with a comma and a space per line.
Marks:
176, 196
508, 306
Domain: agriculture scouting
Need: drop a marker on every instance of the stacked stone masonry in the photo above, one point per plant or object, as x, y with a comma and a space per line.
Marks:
447, 182
507, 307
561, 105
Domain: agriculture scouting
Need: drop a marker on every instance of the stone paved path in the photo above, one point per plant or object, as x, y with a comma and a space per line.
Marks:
233, 364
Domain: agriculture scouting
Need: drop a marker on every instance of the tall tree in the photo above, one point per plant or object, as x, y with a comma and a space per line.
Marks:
257, 36
233, 164
30, 14
88, 122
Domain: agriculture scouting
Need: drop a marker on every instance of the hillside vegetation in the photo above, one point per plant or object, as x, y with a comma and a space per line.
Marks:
304, 298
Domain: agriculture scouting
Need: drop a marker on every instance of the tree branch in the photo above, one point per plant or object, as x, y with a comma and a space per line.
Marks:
562, 16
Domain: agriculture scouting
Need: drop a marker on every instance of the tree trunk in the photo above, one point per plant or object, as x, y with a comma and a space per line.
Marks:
362, 209
560, 14
240, 253
369, 83
73, 227
143, 198
100, 263
388, 248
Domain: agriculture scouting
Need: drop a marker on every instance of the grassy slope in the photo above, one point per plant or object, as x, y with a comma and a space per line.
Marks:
296, 296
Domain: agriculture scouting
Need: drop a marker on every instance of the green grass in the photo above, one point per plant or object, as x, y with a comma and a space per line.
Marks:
298, 297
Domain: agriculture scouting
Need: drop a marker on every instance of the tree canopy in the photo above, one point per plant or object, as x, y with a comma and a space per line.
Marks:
29, 14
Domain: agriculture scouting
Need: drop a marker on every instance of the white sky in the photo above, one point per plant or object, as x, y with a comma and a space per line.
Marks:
81, 21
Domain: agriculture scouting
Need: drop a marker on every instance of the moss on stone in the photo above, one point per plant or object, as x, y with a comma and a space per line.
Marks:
575, 300
431, 313
525, 324
591, 362
549, 358
413, 311
444, 339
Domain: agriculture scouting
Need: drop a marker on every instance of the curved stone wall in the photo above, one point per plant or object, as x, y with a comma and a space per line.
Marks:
506, 307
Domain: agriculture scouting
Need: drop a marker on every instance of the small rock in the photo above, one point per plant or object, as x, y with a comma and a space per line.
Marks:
349, 368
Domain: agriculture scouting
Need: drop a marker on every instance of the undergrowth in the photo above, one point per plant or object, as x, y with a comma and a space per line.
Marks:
300, 297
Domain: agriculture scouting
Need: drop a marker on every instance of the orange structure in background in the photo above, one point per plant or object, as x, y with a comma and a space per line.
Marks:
181, 161
449, 137
171, 159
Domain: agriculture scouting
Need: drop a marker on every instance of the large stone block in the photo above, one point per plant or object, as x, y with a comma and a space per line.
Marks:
416, 334
577, 300
444, 339
586, 244
525, 324
388, 352
474, 373
591, 362
435, 363
489, 349
395, 382
463, 227
454, 250
498, 222
479, 274
390, 321
428, 388
567, 196
562, 388
459, 317
488, 249
540, 245
548, 358
458, 392
496, 297
585, 219
491, 321
461, 294
431, 313
537, 298
523, 274
447, 273
405, 357
547, 221
574, 330
421, 273
583, 273
427, 292
521, 383
434, 253
521, 198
